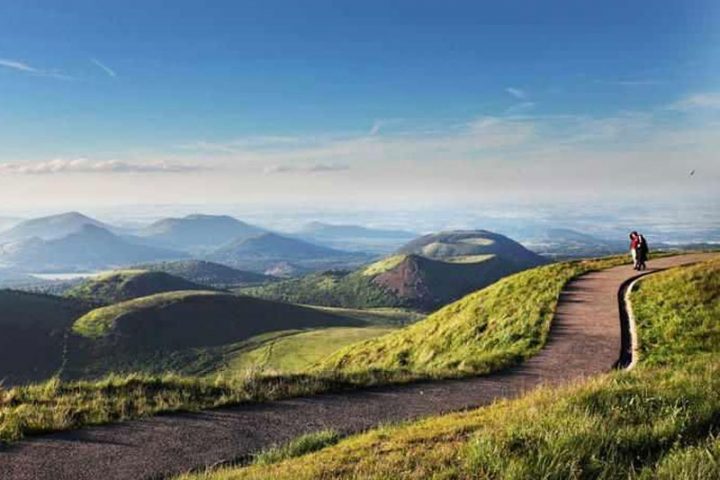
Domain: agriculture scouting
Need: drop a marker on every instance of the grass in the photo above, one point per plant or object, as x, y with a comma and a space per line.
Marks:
100, 321
526, 302
688, 309
297, 352
376, 316
659, 421
469, 258
493, 328
121, 285
382, 266
302, 445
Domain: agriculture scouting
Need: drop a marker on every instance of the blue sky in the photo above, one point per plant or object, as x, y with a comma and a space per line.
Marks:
315, 99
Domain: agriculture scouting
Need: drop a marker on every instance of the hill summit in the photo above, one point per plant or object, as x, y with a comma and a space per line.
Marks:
427, 273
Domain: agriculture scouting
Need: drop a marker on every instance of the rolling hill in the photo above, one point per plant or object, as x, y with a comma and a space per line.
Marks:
267, 250
454, 245
411, 280
143, 333
209, 273
124, 285
90, 248
49, 228
32, 331
198, 233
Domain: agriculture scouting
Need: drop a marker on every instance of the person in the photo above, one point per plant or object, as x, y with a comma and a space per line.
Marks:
642, 249
634, 248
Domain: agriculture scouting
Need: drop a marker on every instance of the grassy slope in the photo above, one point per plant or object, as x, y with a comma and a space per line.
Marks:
280, 351
661, 420
32, 331
124, 285
100, 321
298, 352
161, 332
340, 289
495, 327
73, 404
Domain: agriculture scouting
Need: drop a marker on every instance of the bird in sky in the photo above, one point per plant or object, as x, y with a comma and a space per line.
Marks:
692, 172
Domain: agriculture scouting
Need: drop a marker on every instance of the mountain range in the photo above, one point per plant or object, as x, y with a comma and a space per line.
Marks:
198, 233
267, 250
89, 248
73, 242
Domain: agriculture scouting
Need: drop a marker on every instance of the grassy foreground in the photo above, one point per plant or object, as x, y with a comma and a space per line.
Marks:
508, 320
660, 421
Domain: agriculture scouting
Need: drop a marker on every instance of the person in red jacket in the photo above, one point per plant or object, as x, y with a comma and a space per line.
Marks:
634, 244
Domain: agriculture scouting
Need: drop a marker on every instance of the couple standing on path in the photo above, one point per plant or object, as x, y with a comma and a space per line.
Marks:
638, 250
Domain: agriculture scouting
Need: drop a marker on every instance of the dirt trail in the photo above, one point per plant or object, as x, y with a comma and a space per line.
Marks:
585, 339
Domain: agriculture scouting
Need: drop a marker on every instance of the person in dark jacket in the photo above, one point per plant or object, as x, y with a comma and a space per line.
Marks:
643, 250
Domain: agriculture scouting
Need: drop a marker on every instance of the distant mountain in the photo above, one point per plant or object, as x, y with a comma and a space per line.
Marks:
469, 261
267, 250
198, 233
32, 331
90, 248
468, 243
124, 285
208, 273
148, 332
354, 237
49, 228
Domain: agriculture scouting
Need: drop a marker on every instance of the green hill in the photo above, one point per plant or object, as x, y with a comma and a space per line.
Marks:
405, 280
143, 333
32, 332
468, 243
124, 285
209, 273
658, 421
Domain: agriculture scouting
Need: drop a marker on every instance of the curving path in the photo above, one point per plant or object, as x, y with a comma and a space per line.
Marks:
585, 339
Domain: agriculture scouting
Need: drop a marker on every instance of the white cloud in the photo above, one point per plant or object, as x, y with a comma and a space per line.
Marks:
306, 169
109, 71
24, 67
709, 100
516, 92
84, 165
14, 64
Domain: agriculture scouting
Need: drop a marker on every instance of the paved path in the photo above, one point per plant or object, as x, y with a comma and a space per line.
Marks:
585, 339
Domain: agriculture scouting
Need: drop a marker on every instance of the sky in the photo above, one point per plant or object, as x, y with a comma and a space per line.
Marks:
358, 104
